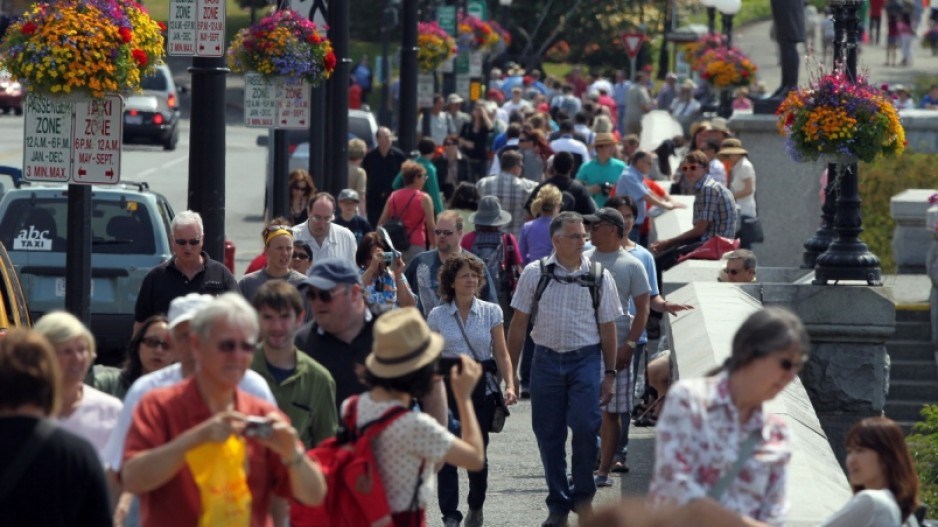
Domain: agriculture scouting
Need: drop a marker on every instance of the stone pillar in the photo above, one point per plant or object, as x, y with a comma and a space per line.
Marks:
911, 237
932, 266
847, 376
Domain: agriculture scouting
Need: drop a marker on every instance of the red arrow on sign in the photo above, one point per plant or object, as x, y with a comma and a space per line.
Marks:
109, 173
633, 43
81, 172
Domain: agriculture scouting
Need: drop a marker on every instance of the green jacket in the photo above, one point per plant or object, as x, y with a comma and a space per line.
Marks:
431, 187
307, 397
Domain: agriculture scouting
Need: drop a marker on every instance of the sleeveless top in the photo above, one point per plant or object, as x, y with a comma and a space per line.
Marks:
404, 204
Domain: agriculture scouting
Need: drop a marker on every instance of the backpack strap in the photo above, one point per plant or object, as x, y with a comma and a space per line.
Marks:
547, 272
593, 282
374, 427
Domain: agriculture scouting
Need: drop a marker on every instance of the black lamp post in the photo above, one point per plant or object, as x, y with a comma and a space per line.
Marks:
847, 257
728, 10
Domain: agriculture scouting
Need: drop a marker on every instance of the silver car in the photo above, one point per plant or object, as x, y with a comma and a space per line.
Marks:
153, 115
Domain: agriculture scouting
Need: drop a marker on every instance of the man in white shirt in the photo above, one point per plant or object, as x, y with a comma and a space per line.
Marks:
325, 239
516, 103
574, 342
435, 122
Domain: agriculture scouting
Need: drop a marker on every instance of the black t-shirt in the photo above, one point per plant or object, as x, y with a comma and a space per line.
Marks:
339, 357
63, 486
358, 225
381, 171
165, 282
582, 202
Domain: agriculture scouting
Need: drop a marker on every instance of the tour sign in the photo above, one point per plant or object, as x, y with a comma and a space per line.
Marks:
281, 103
73, 142
196, 28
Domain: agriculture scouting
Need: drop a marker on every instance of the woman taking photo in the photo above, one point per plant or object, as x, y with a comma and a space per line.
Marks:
301, 188
473, 329
150, 349
384, 284
883, 478
413, 207
474, 141
716, 420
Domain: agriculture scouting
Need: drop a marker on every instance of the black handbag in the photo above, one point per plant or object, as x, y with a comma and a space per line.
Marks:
501, 413
750, 230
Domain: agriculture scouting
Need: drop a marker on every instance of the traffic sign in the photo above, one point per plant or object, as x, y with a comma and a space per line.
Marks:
180, 30
73, 141
47, 140
425, 89
293, 102
477, 8
633, 43
260, 101
196, 28
446, 17
96, 146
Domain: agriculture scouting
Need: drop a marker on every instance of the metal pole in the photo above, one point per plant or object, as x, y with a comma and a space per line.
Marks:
338, 32
207, 151
384, 112
711, 20
407, 120
78, 254
280, 202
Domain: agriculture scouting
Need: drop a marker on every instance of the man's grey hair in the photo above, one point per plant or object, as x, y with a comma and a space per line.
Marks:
748, 257
186, 218
564, 218
230, 308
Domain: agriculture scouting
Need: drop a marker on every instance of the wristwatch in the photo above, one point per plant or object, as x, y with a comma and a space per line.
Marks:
611, 371
631, 343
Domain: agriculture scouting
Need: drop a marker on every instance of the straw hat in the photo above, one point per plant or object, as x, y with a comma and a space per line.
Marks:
732, 146
490, 213
403, 343
688, 85
604, 139
720, 125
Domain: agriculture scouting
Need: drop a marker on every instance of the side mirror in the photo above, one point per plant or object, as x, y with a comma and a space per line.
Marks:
262, 140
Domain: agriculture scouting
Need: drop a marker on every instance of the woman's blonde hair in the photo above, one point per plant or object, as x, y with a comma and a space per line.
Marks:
602, 124
548, 200
61, 326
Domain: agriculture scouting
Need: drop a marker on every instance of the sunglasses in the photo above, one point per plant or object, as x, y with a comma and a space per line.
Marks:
318, 294
191, 241
685, 168
155, 342
230, 346
441, 232
300, 256
789, 365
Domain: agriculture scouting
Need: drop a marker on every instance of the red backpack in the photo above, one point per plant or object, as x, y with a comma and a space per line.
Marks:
355, 495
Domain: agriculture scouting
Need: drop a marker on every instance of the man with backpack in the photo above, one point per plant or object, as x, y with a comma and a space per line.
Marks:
573, 306
499, 251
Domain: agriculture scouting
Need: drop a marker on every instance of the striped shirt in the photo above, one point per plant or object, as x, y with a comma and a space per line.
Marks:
714, 202
512, 192
565, 318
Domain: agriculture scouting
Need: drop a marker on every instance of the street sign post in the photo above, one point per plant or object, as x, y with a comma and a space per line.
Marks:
260, 101
633, 45
196, 28
73, 142
477, 8
293, 103
446, 17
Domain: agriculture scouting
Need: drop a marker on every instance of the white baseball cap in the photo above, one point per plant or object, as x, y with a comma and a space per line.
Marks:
183, 308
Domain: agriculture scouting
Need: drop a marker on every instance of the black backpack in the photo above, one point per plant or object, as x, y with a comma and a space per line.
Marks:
592, 280
396, 229
495, 251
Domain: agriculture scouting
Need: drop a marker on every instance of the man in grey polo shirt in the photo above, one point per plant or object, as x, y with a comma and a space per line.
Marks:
575, 346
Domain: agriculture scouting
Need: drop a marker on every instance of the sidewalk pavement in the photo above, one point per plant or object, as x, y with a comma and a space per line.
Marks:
753, 40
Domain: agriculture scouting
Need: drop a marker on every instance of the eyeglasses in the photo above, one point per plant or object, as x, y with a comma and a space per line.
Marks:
191, 241
318, 294
734, 272
274, 228
583, 237
686, 168
154, 342
441, 232
789, 365
320, 219
230, 346
301, 256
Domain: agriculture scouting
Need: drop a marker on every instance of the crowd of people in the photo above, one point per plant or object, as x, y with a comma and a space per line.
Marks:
510, 259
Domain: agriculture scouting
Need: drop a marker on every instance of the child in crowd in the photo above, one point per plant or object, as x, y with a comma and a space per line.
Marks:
348, 217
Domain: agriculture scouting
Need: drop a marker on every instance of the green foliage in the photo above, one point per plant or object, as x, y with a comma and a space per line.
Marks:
879, 182
923, 445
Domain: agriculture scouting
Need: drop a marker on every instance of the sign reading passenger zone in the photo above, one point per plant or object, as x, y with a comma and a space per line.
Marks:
73, 142
196, 27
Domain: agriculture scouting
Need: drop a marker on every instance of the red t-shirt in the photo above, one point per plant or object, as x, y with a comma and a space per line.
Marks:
164, 414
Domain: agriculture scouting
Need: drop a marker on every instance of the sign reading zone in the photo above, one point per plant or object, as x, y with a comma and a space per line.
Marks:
196, 28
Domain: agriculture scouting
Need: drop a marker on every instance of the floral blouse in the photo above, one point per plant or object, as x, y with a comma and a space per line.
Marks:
698, 439
381, 293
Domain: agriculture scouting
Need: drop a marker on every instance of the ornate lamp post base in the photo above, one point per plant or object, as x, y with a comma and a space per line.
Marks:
816, 245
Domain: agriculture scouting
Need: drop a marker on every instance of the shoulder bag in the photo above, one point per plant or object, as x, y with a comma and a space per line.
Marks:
745, 452
491, 383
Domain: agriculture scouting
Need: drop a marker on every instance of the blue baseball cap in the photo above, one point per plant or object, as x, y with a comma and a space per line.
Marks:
327, 273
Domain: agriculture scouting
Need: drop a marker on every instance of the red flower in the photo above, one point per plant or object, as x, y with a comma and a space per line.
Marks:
329, 61
162, 26
744, 73
314, 38
139, 57
28, 28
125, 33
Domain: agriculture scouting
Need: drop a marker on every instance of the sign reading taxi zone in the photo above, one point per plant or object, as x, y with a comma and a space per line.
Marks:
281, 103
196, 28
73, 142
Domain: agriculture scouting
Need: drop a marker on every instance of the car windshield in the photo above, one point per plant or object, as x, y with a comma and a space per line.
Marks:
155, 82
40, 225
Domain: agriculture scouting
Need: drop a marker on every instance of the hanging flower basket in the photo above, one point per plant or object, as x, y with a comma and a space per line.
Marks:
89, 48
283, 44
474, 34
839, 119
694, 52
504, 37
434, 46
726, 68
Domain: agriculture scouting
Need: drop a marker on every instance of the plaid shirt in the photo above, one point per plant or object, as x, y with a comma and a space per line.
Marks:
714, 202
512, 192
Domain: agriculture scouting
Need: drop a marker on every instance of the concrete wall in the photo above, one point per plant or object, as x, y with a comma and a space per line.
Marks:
816, 485
911, 238
920, 130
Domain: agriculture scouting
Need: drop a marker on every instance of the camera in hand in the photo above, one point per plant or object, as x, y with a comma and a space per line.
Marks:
606, 188
258, 427
389, 257
445, 365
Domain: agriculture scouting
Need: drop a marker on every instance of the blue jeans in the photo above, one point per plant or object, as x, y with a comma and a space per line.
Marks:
565, 393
